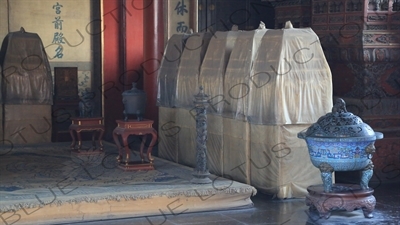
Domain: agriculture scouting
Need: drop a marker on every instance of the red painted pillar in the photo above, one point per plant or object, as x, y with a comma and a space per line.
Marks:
121, 65
111, 87
153, 48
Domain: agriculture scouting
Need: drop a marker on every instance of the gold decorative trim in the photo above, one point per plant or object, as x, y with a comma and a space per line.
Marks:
88, 129
134, 126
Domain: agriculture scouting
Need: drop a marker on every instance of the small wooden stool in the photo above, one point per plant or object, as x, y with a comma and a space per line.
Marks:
86, 124
134, 127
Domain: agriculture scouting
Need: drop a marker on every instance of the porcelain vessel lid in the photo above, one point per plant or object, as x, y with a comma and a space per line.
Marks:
340, 123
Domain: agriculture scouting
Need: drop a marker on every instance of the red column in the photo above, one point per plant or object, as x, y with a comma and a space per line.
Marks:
118, 73
111, 87
153, 48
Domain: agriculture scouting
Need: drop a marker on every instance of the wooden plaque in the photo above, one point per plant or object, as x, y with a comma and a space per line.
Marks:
66, 83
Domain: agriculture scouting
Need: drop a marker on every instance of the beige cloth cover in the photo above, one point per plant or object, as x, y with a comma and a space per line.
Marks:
189, 69
26, 70
276, 84
169, 69
26, 90
27, 124
212, 71
290, 79
236, 81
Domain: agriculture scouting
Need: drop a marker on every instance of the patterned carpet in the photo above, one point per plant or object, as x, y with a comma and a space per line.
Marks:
48, 174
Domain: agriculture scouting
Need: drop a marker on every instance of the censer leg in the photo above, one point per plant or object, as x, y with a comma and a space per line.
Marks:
366, 175
326, 175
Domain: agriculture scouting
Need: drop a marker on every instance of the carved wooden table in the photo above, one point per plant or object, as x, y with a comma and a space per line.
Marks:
134, 127
347, 197
79, 125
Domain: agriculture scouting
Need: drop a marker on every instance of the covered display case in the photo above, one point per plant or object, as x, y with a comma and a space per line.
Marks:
169, 70
195, 48
27, 89
265, 86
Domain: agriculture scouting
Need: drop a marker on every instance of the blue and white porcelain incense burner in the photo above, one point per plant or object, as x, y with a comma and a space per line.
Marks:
341, 141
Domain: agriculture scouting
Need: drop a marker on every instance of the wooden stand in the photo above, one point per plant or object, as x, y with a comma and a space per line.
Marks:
347, 197
86, 124
134, 127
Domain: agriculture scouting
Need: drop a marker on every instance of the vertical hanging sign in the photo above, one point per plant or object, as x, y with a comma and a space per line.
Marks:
178, 17
58, 37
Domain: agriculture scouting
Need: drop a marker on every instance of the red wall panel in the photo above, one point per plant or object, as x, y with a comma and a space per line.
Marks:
118, 77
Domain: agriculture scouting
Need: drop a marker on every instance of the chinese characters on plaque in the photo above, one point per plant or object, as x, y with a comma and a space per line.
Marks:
58, 37
181, 10
178, 17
